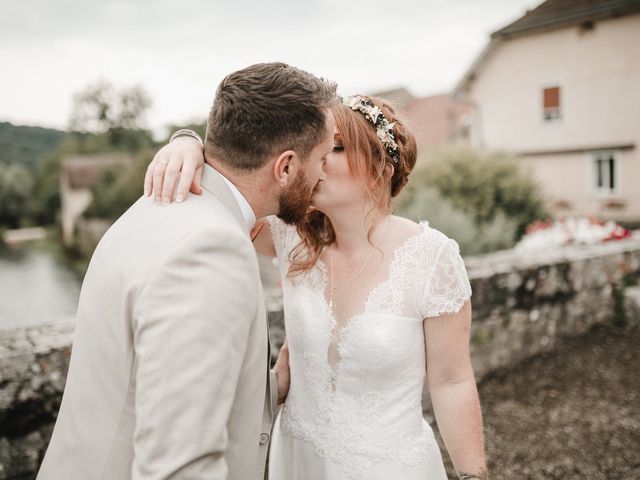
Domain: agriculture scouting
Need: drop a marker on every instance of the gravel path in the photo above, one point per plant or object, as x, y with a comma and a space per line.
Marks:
573, 413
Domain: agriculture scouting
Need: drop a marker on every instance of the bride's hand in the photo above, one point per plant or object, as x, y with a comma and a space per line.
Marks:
184, 158
282, 372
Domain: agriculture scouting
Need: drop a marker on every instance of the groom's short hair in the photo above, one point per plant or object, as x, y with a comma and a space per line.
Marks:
265, 109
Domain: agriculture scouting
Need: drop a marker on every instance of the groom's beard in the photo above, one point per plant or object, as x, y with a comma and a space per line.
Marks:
295, 200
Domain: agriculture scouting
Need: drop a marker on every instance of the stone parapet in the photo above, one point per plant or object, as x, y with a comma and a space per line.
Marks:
524, 302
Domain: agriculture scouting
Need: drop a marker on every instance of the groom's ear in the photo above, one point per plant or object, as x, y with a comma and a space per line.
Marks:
285, 166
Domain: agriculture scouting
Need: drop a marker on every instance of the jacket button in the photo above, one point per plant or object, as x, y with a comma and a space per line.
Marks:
264, 438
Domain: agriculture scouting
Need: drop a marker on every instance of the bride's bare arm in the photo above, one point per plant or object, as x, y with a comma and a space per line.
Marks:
283, 375
453, 391
181, 163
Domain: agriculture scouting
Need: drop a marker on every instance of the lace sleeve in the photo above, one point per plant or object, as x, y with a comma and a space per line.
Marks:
285, 238
448, 287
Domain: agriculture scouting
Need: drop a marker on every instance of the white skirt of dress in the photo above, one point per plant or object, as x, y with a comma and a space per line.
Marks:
294, 459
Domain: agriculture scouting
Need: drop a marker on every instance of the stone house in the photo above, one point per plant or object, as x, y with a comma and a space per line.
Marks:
560, 88
78, 174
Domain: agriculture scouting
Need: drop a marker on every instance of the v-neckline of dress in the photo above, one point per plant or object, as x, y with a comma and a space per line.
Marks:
323, 272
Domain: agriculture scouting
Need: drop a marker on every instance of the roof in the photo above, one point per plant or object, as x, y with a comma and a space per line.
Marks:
400, 97
84, 171
549, 15
564, 13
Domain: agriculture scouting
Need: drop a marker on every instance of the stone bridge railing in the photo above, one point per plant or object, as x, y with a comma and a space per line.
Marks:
522, 305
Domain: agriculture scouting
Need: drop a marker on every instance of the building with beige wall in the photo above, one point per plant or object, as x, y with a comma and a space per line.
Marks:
436, 120
560, 88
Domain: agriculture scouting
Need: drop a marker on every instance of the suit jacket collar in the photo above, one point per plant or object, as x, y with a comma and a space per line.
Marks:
213, 182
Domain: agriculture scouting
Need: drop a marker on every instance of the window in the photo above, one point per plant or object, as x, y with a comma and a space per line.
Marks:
605, 171
551, 103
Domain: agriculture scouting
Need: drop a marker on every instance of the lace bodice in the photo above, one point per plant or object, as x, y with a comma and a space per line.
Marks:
367, 407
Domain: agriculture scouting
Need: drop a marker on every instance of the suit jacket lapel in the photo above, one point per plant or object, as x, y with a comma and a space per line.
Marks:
213, 182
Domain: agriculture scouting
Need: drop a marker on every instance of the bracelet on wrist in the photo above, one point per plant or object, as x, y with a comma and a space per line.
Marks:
185, 132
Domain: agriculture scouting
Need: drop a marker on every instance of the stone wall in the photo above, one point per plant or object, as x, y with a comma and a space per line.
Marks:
522, 305
33, 368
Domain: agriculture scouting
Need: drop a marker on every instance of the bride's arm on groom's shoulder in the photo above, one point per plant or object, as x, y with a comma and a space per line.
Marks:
453, 391
175, 170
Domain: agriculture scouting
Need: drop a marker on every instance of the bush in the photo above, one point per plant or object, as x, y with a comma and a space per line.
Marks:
484, 185
119, 188
428, 204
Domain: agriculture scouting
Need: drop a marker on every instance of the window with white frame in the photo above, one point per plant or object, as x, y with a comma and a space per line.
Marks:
605, 171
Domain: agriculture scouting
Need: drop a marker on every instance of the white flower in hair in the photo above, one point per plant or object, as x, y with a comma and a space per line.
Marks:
352, 102
373, 113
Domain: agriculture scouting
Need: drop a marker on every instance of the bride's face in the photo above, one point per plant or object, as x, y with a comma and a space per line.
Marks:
338, 186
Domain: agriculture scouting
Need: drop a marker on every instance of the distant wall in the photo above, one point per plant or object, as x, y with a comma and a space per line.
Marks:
522, 305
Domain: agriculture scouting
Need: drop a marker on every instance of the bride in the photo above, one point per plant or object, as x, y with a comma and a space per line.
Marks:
372, 301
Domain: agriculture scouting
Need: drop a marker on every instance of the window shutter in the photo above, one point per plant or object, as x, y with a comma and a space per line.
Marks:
551, 97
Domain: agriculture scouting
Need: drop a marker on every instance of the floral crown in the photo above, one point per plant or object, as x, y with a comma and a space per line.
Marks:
384, 129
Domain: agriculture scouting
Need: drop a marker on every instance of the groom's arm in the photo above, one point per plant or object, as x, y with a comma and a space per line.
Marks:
191, 329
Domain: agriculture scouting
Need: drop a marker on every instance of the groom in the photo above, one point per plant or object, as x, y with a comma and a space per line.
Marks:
169, 375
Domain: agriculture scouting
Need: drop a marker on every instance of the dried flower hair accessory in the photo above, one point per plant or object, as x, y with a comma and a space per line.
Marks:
384, 129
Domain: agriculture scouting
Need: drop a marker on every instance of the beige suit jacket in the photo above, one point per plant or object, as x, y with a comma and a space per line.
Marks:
169, 375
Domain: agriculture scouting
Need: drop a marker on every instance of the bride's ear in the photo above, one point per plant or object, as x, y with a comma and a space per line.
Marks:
285, 167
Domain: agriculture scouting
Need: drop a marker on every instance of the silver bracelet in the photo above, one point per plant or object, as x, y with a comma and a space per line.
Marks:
185, 132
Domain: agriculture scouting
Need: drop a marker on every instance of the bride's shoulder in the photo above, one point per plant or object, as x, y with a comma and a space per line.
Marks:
405, 229
284, 236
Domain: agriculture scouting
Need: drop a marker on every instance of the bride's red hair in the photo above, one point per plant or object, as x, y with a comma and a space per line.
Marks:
368, 162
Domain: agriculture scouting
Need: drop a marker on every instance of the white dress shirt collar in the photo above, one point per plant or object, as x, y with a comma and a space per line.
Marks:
245, 208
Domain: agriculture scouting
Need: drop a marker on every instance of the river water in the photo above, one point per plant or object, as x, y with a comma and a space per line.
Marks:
35, 286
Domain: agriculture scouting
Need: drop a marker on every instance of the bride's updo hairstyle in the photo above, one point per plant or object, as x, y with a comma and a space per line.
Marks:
383, 171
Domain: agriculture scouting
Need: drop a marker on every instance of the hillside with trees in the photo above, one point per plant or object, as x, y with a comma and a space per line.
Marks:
28, 145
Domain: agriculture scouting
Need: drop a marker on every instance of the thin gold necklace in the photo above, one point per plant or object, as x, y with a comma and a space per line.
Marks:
331, 287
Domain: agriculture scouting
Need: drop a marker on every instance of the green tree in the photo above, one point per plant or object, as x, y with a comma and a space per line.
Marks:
44, 203
27, 145
119, 188
117, 117
16, 185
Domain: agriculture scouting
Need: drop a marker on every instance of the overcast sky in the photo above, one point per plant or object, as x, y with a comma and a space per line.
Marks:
179, 50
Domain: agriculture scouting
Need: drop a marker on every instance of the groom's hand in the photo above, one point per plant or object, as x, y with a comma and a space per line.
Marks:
281, 368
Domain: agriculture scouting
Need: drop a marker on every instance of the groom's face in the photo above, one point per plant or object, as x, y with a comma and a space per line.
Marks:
296, 198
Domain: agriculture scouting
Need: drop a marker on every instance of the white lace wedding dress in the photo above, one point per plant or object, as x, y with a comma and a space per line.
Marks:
360, 418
